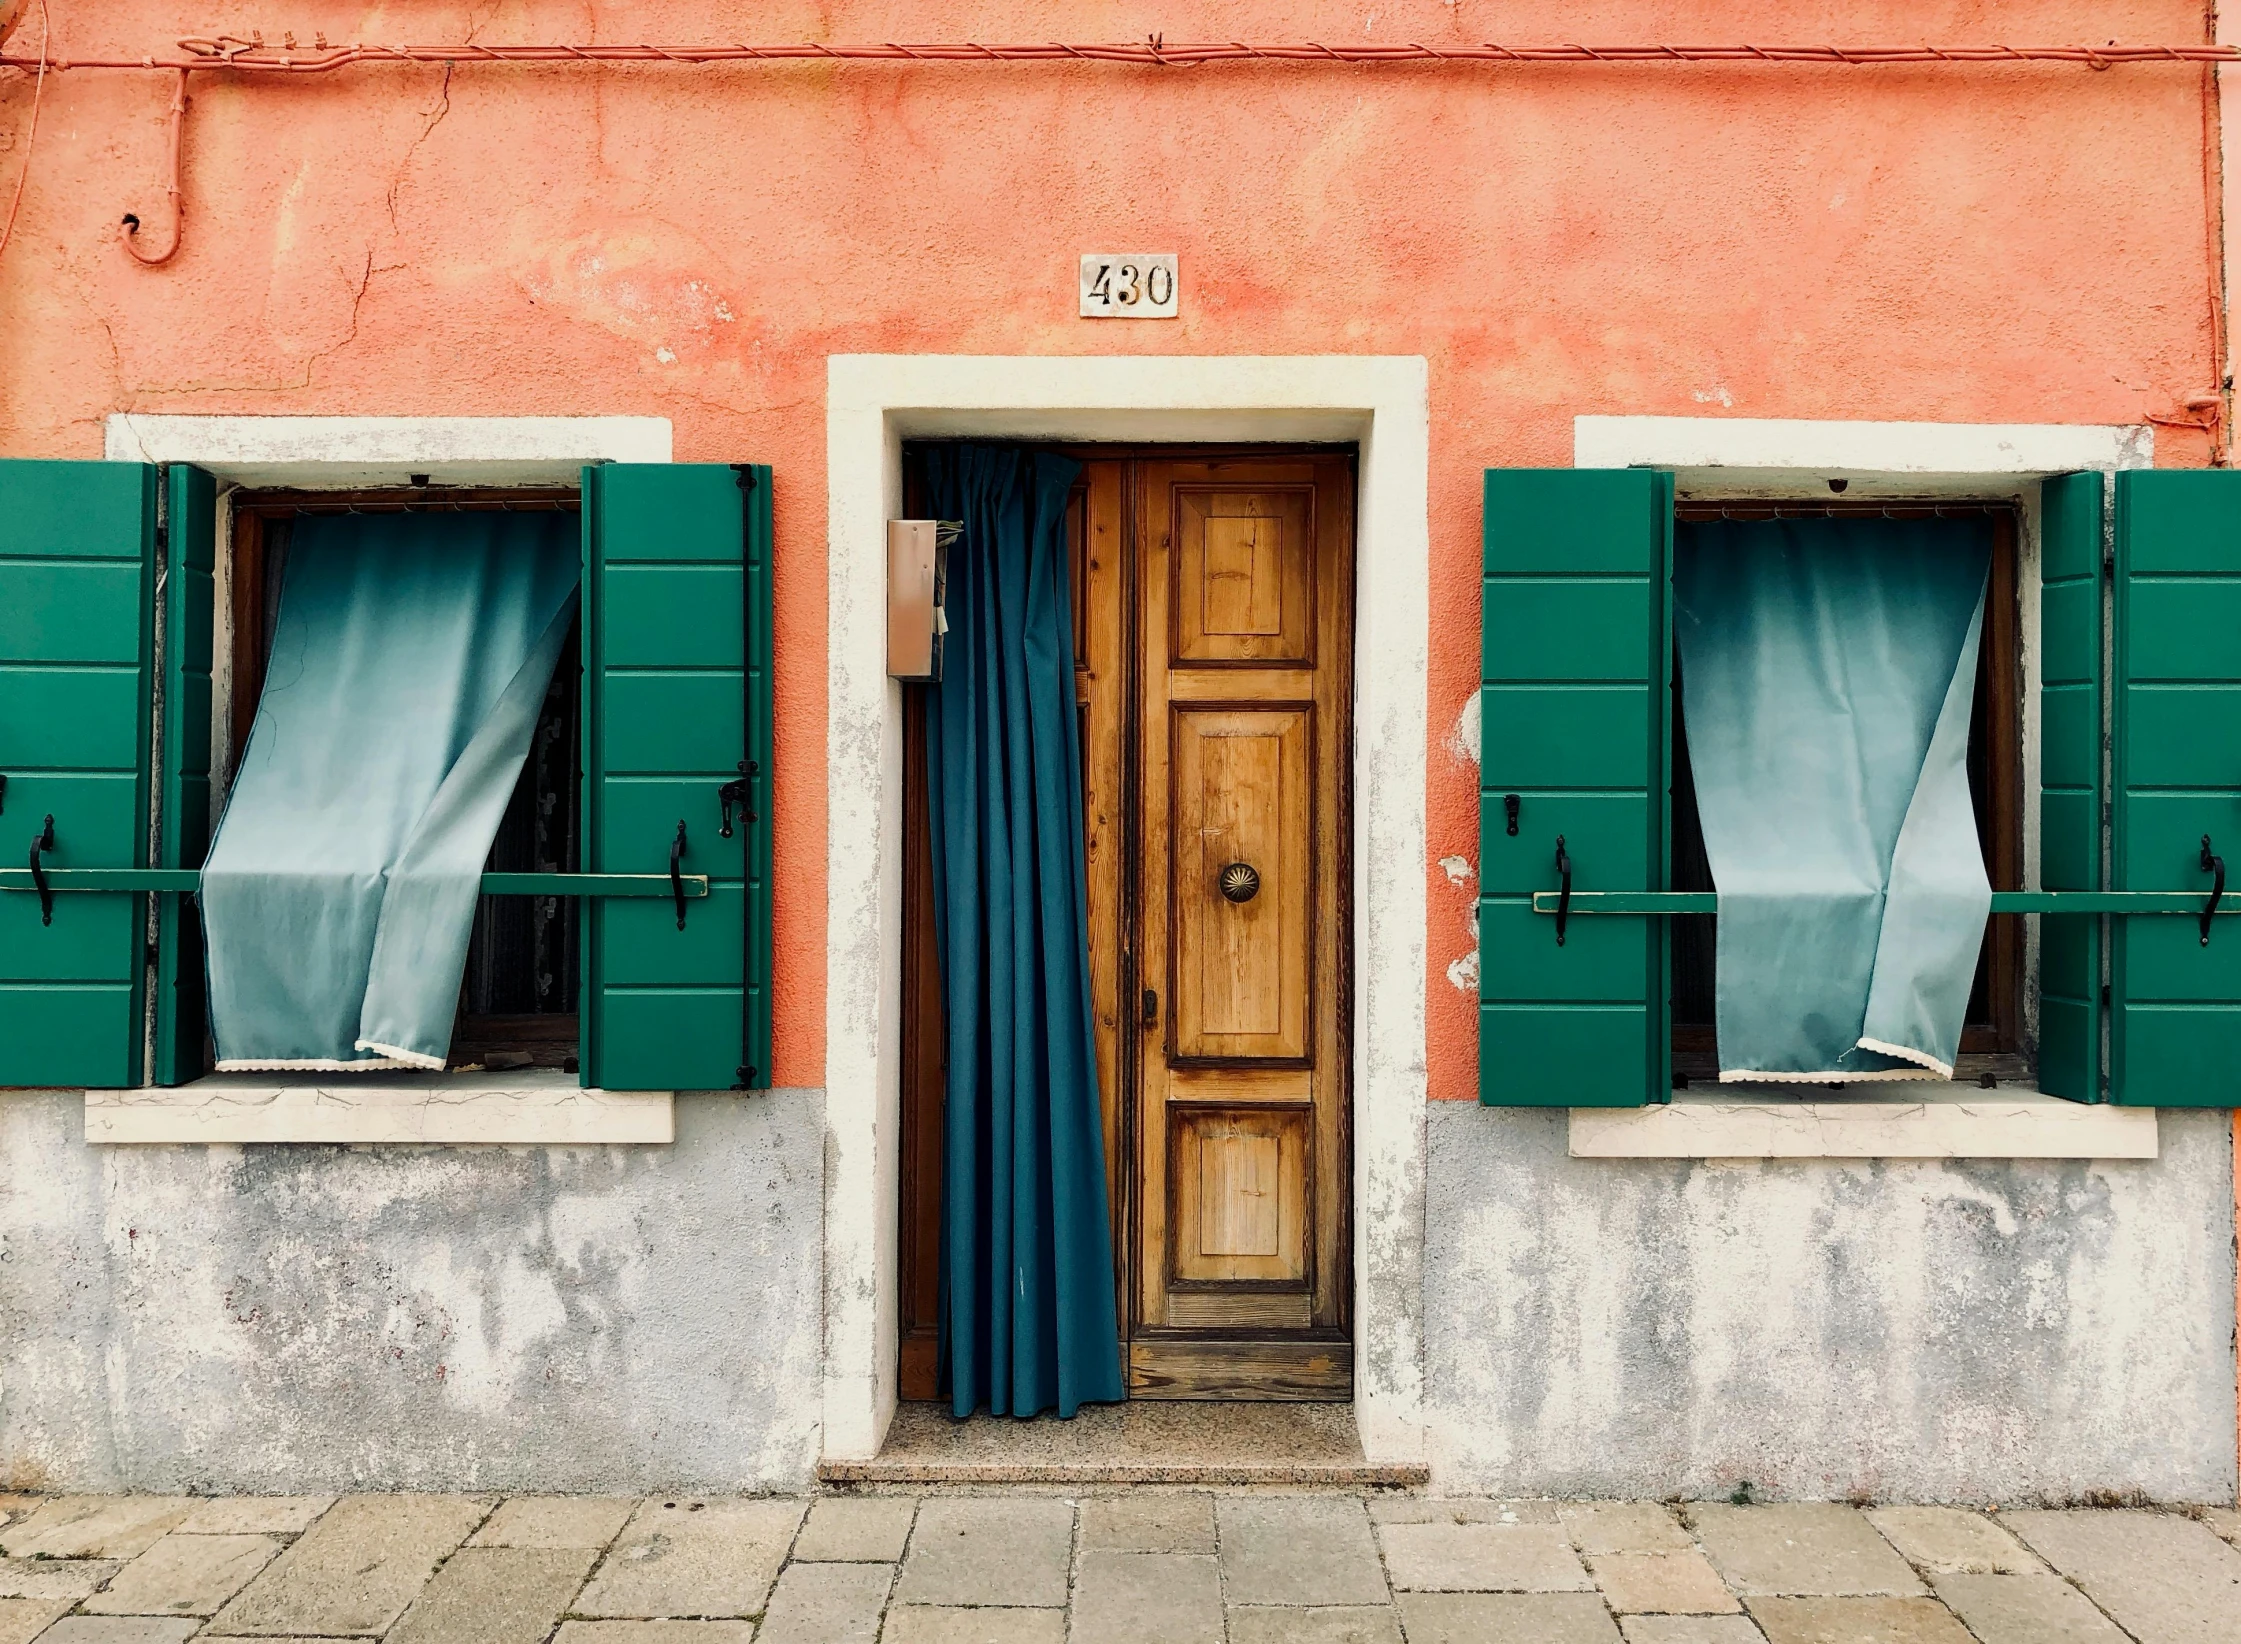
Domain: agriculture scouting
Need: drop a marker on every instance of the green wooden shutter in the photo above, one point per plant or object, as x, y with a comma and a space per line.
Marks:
1576, 653
2070, 795
183, 780
77, 612
2175, 753
676, 630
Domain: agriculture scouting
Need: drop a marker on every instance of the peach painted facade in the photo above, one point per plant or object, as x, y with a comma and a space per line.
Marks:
2032, 244
1969, 245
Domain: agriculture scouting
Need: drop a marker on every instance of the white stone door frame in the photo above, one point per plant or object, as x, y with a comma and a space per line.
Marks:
876, 401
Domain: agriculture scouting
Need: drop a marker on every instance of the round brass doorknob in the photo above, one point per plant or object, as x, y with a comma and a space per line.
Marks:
1241, 882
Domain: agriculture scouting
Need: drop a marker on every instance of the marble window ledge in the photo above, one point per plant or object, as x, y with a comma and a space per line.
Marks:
1929, 1120
531, 1107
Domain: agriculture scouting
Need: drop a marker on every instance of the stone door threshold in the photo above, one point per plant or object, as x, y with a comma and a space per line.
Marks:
1146, 1442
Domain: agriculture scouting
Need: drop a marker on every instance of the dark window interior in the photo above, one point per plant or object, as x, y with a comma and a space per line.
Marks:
1992, 1041
517, 1000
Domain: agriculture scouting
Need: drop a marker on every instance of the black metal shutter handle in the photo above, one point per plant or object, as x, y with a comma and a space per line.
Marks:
1510, 803
2216, 865
738, 797
676, 879
43, 841
1564, 889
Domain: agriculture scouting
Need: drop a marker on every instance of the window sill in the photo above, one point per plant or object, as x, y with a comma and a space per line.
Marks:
450, 1110
1896, 1121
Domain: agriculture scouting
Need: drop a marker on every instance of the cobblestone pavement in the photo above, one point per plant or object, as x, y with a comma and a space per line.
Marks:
1133, 1567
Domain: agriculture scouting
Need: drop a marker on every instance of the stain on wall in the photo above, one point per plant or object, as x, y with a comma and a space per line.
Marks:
289, 1318
1987, 1331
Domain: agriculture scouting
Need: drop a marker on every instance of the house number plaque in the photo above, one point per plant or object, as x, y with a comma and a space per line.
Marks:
1129, 285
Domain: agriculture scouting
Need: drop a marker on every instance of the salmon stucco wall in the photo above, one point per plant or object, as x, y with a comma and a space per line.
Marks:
2009, 244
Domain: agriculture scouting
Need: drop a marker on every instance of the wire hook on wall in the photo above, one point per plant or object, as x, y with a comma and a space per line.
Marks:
129, 235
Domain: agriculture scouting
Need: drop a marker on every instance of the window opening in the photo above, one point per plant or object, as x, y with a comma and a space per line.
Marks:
1992, 1039
518, 995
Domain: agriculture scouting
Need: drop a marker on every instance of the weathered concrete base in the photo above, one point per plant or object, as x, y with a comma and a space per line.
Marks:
296, 1318
1919, 1330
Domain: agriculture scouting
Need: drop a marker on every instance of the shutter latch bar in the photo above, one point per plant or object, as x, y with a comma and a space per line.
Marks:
43, 840
2216, 865
677, 879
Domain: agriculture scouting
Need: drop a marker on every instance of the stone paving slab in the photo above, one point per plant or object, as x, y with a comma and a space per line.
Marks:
679, 1557
1147, 1598
1305, 1550
23, 1619
1948, 1541
1690, 1629
2026, 1609
185, 1575
1661, 1584
1482, 1558
495, 1595
940, 1624
54, 1578
2164, 1579
254, 1515
1353, 1624
1852, 1619
1623, 1527
827, 1604
356, 1569
120, 1629
857, 1530
1000, 1552
653, 1632
1467, 1510
94, 1526
555, 1522
1148, 1523
1506, 1618
1812, 1548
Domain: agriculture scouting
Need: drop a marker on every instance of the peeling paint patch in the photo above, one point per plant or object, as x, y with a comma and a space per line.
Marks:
1462, 741
1457, 869
1464, 973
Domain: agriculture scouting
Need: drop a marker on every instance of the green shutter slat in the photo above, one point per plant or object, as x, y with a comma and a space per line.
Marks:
2175, 759
2070, 791
1575, 649
183, 782
676, 645
77, 614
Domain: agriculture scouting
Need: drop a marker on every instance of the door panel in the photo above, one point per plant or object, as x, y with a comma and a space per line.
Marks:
1239, 1116
1243, 864
1243, 566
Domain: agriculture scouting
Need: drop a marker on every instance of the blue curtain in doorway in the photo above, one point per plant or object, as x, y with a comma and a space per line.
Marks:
1027, 1303
1828, 667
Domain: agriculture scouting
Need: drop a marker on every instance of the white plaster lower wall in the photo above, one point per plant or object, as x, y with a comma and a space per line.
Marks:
288, 1318
2003, 1331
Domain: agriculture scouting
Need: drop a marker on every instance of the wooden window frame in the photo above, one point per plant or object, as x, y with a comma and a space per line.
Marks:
1994, 1047
547, 1040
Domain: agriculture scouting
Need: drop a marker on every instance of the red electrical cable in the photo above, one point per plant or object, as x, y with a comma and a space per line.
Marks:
253, 55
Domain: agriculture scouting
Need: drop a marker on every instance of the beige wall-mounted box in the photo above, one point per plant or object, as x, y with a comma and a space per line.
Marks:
917, 581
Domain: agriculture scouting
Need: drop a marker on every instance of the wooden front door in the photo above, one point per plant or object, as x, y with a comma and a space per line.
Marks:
1213, 609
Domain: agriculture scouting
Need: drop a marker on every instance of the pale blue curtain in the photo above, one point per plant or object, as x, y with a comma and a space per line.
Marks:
409, 662
1828, 667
